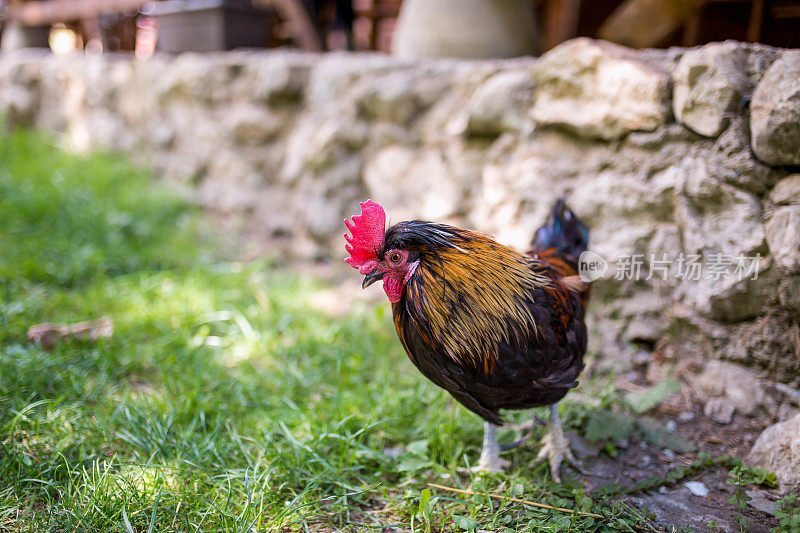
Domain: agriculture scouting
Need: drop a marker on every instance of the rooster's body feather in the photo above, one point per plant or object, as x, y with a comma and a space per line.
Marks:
495, 328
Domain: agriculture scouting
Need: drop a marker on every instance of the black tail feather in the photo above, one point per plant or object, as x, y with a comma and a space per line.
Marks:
563, 231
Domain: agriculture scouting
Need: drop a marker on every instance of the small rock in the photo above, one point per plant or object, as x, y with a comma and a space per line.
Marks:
775, 112
720, 410
669, 454
662, 490
709, 83
671, 425
622, 443
778, 450
760, 501
783, 237
786, 191
686, 416
697, 488
581, 86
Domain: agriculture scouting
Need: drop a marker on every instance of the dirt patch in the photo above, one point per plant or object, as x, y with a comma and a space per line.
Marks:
735, 438
674, 505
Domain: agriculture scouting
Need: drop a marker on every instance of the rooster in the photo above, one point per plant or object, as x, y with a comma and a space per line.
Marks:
496, 328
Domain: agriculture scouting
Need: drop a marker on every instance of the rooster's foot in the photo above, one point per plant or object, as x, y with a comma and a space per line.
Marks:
555, 447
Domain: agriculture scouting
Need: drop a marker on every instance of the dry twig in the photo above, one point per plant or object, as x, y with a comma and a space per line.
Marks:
512, 499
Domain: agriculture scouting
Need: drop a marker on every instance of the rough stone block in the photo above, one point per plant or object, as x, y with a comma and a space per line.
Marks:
775, 112
783, 237
599, 89
778, 450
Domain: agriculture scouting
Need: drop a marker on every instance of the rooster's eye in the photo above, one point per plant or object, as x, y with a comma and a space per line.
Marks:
395, 257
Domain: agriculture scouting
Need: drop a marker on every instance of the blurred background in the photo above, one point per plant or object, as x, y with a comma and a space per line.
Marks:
315, 25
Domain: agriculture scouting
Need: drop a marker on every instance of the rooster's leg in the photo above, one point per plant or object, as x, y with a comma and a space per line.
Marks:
490, 456
556, 446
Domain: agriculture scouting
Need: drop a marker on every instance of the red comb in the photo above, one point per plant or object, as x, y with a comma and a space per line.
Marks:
367, 231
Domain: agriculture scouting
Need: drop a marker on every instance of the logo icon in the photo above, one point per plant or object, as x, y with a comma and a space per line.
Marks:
591, 266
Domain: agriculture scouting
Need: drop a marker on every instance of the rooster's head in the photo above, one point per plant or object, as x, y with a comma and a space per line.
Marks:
376, 254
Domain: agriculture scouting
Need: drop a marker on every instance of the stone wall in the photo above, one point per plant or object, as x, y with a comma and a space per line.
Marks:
683, 151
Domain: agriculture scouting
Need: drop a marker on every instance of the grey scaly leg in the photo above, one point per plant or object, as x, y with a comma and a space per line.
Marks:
490, 455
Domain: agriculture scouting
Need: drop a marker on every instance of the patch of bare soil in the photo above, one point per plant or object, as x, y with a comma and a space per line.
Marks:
674, 505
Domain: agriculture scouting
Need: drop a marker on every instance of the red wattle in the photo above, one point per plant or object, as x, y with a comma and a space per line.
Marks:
393, 288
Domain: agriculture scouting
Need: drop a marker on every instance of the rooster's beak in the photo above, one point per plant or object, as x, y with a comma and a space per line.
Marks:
371, 278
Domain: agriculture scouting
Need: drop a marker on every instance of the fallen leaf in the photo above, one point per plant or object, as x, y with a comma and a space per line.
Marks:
48, 334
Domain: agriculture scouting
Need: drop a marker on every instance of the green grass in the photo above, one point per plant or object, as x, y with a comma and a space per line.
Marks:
224, 401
